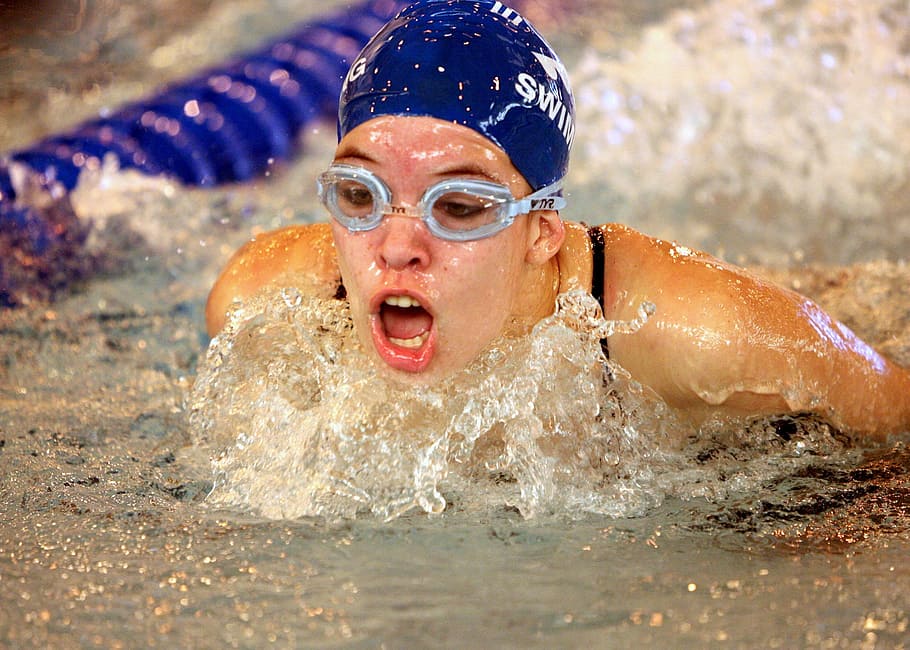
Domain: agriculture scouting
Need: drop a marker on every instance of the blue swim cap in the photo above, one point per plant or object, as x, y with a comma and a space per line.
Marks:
476, 63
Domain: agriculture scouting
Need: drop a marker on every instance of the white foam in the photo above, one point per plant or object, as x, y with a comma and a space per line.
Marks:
301, 424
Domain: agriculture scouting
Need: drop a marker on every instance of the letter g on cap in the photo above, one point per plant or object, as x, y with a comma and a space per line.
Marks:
357, 70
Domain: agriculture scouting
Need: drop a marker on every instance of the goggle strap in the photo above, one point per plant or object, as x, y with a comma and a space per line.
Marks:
546, 198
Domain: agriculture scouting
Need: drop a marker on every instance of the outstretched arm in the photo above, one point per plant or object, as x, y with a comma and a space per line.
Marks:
725, 342
303, 255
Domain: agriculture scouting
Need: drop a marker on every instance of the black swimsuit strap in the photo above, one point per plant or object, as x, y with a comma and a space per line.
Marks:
596, 235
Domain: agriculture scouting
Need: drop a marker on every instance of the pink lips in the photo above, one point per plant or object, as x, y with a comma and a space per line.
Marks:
402, 330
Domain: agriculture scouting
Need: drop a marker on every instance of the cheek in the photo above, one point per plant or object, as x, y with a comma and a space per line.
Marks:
469, 272
353, 252
485, 276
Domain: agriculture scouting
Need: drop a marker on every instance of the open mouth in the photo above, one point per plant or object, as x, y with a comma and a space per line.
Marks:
406, 323
402, 333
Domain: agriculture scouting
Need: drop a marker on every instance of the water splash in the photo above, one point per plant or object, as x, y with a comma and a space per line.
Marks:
736, 120
299, 423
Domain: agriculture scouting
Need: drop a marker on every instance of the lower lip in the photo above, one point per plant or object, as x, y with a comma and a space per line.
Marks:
412, 360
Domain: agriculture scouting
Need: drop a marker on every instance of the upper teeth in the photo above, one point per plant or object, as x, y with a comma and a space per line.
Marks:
402, 301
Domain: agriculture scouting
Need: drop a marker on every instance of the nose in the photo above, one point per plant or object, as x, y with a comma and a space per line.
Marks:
405, 243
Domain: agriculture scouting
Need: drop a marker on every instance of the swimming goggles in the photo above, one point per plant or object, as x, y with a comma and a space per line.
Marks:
455, 210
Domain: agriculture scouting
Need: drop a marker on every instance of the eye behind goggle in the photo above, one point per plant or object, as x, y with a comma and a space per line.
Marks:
468, 209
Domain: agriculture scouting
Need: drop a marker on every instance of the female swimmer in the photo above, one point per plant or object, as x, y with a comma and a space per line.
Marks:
455, 125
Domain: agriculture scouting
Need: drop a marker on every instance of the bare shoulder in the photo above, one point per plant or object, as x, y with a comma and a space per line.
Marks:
723, 340
683, 279
303, 254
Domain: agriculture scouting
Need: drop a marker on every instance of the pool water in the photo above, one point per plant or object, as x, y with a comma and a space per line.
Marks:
771, 133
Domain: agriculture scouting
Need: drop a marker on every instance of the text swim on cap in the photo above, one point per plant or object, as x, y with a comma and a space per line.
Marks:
477, 63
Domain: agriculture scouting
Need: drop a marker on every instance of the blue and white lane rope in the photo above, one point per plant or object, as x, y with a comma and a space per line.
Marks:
226, 124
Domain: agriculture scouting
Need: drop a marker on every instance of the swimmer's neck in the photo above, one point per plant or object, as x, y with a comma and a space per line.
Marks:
575, 260
568, 270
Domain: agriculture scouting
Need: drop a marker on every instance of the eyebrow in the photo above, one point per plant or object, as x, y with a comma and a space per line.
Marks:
466, 168
455, 170
354, 152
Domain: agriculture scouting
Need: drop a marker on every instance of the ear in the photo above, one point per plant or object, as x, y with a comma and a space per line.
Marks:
545, 235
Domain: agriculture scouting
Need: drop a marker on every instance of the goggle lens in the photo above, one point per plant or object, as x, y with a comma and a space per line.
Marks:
465, 211
352, 199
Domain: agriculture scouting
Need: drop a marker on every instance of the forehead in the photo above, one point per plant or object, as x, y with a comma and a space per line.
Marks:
422, 143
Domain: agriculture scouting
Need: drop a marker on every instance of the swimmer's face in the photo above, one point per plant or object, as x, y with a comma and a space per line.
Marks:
422, 306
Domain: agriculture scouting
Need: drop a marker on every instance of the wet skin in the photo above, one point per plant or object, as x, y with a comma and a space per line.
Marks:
722, 342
